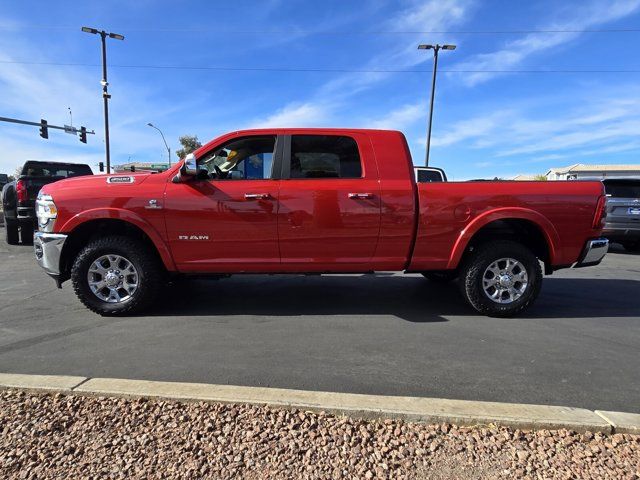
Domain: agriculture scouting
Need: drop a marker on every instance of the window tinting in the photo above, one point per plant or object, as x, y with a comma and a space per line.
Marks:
52, 170
622, 188
249, 158
324, 156
427, 176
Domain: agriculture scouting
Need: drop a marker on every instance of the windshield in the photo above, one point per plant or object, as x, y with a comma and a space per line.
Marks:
622, 188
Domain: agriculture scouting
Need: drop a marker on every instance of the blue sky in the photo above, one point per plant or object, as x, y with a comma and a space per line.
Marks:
486, 123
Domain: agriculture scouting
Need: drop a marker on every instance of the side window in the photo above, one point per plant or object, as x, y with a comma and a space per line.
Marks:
324, 156
248, 158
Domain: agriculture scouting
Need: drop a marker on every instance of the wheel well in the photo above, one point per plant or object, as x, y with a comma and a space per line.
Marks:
519, 230
85, 232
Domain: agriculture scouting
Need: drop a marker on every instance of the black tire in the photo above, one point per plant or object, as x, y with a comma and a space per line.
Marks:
444, 276
151, 275
11, 231
27, 227
633, 246
475, 266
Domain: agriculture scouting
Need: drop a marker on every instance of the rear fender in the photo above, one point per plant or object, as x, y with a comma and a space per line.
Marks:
466, 235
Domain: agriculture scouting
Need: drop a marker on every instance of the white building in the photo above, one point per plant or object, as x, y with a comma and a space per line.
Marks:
581, 171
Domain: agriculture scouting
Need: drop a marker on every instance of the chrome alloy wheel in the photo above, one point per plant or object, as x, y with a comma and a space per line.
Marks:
112, 278
505, 280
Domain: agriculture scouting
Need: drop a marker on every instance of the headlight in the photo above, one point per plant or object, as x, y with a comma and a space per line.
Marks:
46, 211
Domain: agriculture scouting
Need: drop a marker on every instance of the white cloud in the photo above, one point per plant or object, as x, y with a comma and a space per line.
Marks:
584, 17
295, 114
476, 129
33, 92
588, 126
401, 117
419, 16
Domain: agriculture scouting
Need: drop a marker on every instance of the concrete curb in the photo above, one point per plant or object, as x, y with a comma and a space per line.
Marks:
427, 410
57, 383
622, 422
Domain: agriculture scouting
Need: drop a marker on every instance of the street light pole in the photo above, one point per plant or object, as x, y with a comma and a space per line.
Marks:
164, 140
105, 97
105, 84
436, 48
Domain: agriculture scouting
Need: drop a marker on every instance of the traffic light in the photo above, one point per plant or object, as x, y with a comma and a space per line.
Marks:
83, 134
101, 166
44, 130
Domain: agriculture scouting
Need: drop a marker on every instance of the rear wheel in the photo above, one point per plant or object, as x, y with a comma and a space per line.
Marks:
501, 279
632, 246
116, 275
444, 276
11, 231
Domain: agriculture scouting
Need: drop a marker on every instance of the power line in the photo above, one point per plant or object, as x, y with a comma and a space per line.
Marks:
334, 32
327, 70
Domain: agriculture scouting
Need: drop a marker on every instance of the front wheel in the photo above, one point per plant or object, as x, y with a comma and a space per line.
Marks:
116, 275
501, 279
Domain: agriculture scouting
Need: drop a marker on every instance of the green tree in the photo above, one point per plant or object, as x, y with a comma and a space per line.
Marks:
189, 144
540, 178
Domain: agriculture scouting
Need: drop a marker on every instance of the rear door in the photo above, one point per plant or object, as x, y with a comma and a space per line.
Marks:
329, 208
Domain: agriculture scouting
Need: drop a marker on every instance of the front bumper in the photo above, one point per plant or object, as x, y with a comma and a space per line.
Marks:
593, 252
48, 249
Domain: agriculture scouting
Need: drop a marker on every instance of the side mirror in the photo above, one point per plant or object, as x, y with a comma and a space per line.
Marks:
188, 169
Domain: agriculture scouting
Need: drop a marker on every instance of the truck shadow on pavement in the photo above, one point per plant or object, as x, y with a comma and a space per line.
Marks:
410, 298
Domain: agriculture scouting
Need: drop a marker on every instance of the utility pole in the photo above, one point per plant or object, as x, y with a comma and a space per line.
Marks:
105, 84
435, 49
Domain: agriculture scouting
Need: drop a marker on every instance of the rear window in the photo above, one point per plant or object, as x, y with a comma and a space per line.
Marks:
324, 156
620, 189
427, 176
63, 171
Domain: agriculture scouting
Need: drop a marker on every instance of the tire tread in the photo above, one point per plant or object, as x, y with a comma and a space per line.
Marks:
474, 267
150, 273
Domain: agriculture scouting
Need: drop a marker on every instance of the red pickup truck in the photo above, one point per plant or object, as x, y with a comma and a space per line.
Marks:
312, 201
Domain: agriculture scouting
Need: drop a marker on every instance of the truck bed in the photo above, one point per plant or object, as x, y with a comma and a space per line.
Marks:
450, 214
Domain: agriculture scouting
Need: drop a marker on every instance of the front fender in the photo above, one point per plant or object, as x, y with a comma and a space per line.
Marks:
546, 227
126, 216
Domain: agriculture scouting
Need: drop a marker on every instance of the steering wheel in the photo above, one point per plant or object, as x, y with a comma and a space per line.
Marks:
219, 172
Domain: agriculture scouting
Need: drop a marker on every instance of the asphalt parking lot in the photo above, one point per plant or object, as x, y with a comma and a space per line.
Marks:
378, 334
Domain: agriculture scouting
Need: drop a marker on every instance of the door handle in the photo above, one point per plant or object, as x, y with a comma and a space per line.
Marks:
257, 196
361, 195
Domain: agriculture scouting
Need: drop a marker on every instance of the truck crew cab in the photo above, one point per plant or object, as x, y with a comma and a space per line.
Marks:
312, 201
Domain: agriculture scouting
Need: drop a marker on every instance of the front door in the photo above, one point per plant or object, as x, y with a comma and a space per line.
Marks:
225, 220
329, 211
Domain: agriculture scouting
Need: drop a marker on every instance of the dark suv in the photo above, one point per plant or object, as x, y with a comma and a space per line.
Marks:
623, 212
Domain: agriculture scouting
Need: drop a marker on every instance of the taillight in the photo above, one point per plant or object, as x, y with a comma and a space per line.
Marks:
21, 191
601, 213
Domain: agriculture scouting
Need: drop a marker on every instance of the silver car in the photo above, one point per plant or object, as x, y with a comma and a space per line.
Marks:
623, 212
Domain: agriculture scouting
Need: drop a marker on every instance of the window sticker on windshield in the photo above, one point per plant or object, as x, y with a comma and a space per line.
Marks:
126, 179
